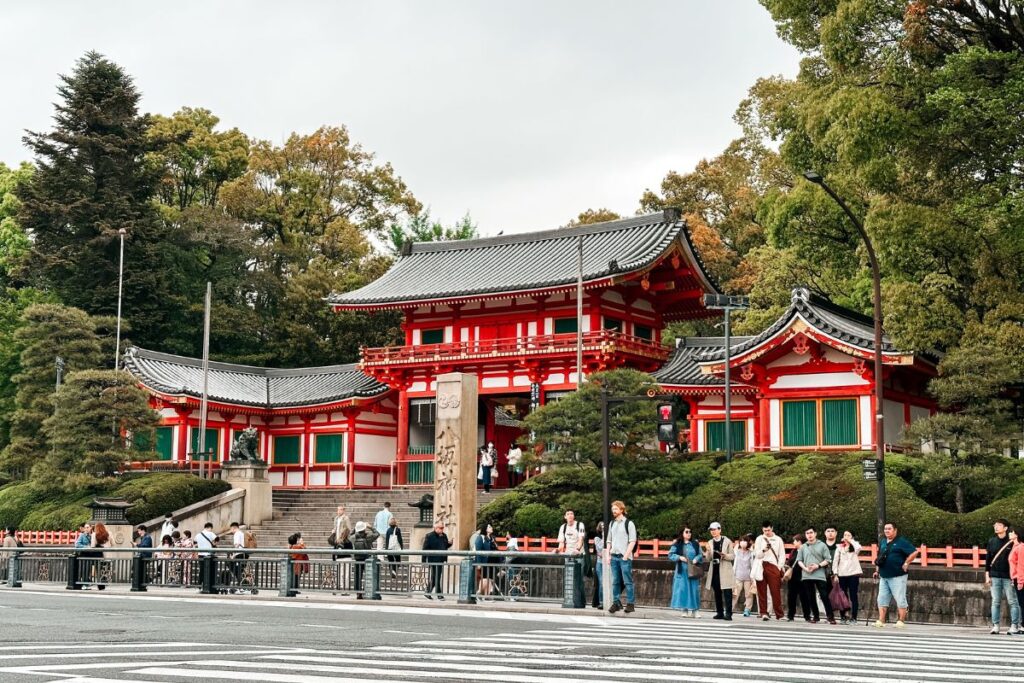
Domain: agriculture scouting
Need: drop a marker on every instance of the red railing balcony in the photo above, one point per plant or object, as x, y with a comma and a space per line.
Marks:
603, 343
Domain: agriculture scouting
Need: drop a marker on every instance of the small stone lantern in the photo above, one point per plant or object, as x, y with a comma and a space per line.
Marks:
113, 514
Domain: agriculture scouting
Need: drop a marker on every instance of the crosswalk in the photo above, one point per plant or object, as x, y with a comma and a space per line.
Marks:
592, 652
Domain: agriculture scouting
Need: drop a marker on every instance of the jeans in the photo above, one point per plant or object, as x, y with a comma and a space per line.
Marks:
819, 587
598, 581
851, 586
1001, 587
896, 587
622, 574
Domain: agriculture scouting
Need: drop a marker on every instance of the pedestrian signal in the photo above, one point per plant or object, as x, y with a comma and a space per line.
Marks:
668, 417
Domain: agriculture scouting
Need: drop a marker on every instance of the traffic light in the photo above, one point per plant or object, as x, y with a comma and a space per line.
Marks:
668, 431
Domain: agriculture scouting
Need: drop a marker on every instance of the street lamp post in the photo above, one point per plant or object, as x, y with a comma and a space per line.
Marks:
120, 288
724, 302
876, 282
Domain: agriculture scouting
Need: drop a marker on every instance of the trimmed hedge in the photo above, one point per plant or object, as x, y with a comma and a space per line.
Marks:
153, 495
795, 491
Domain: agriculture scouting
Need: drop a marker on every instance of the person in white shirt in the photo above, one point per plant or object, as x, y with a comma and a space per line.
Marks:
169, 526
621, 543
571, 535
768, 567
381, 522
206, 539
515, 456
847, 570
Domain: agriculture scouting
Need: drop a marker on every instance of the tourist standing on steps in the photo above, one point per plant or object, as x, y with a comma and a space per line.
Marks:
742, 566
436, 540
720, 578
621, 546
169, 526
997, 576
793, 577
515, 471
814, 558
487, 457
342, 531
767, 570
686, 554
381, 523
895, 555
848, 570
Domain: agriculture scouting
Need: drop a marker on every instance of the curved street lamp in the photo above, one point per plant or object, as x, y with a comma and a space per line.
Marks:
876, 282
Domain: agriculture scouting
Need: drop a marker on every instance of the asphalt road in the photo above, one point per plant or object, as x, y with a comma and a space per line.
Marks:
94, 637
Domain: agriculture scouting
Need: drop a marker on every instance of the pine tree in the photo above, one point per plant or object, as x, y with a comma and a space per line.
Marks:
92, 181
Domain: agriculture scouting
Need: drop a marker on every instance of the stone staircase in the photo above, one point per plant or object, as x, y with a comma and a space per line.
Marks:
312, 512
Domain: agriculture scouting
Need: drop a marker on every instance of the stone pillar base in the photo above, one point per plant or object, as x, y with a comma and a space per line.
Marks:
251, 477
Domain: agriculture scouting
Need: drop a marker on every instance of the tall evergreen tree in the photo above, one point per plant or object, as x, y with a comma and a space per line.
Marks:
48, 331
91, 182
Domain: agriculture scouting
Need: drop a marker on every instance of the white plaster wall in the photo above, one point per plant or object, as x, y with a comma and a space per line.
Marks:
521, 381
555, 378
893, 412
750, 435
774, 424
374, 449
701, 441
168, 412
836, 356
418, 386
494, 382
820, 380
867, 421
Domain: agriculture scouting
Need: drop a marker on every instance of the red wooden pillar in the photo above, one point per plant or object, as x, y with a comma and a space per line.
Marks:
182, 433
350, 446
403, 432
306, 450
692, 442
764, 423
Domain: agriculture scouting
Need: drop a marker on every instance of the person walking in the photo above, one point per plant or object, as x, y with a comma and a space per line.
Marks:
621, 544
364, 538
515, 471
742, 567
814, 557
436, 540
381, 522
487, 457
767, 569
483, 564
846, 566
300, 560
895, 555
720, 577
1017, 565
689, 560
393, 541
997, 576
794, 579
238, 557
598, 602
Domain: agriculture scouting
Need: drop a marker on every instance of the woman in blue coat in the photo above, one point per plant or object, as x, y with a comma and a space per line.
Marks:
685, 589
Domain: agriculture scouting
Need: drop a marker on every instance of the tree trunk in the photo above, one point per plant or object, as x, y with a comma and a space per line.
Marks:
959, 497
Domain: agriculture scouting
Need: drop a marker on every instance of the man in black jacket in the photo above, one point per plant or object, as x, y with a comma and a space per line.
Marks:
436, 540
997, 576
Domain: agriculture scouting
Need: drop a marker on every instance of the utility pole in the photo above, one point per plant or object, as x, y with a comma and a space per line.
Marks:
120, 289
579, 313
206, 382
728, 304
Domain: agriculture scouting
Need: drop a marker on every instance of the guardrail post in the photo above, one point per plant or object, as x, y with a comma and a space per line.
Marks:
73, 572
466, 581
373, 577
572, 584
207, 568
138, 574
284, 583
14, 571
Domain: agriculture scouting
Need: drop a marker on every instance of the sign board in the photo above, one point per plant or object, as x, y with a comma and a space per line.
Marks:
872, 469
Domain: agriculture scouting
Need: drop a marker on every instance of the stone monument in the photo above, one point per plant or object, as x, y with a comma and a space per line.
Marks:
455, 456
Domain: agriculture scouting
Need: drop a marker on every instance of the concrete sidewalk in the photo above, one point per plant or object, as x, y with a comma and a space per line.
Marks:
519, 609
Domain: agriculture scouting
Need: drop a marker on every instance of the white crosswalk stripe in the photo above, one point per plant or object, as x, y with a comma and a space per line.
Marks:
617, 650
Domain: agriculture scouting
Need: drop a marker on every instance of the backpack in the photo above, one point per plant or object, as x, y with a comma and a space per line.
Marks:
250, 540
561, 533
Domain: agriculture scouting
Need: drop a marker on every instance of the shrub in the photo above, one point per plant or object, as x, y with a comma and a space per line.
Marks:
536, 519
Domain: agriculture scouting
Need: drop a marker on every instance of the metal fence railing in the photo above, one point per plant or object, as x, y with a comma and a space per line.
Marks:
366, 574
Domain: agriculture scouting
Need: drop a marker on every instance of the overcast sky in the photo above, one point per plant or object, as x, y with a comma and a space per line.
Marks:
522, 113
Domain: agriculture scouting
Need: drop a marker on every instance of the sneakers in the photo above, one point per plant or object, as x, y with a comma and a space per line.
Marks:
746, 613
615, 608
718, 616
1014, 630
995, 629
630, 608
900, 624
428, 596
765, 617
879, 624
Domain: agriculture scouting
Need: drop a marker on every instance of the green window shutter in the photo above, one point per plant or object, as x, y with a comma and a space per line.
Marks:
565, 325
714, 439
212, 442
799, 423
164, 443
432, 336
329, 448
286, 450
643, 332
839, 422
613, 324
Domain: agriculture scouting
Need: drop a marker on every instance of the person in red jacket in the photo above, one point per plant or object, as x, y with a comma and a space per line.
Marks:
1017, 564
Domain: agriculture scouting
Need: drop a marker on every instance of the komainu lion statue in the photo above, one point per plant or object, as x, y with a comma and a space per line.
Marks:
245, 445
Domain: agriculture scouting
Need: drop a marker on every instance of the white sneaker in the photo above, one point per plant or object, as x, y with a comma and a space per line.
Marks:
995, 629
1014, 630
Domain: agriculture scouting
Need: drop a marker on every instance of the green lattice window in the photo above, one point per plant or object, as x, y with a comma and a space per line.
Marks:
643, 332
286, 450
839, 422
420, 472
212, 443
613, 324
330, 448
714, 435
565, 325
799, 423
432, 336
161, 441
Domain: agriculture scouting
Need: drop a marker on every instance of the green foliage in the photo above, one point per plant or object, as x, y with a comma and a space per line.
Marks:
153, 495
793, 490
570, 429
591, 216
420, 228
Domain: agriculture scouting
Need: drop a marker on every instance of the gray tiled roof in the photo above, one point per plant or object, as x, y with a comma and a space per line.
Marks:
249, 385
527, 261
847, 326
682, 368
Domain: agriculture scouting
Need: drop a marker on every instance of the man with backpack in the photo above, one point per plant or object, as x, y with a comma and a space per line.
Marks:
621, 544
